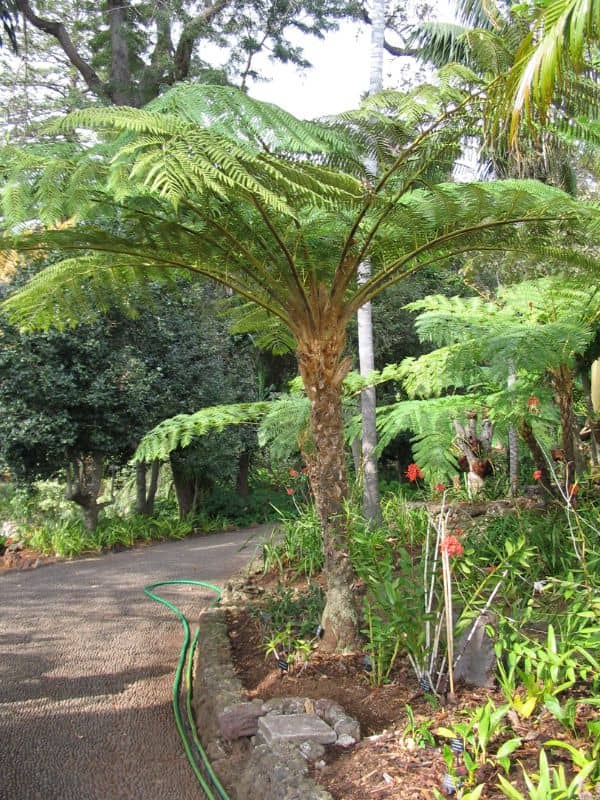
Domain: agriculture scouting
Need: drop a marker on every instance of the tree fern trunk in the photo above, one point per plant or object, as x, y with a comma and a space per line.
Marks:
563, 385
84, 482
323, 371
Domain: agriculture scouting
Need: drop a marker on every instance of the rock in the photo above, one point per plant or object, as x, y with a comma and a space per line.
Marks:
295, 728
329, 711
312, 751
476, 660
348, 726
239, 720
345, 741
284, 705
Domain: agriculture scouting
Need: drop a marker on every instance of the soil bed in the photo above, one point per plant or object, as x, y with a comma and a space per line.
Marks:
388, 764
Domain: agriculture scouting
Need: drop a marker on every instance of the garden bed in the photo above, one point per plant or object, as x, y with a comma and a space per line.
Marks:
399, 756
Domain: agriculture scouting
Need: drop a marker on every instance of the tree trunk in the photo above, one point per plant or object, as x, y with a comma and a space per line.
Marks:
366, 348
323, 371
120, 74
185, 489
539, 458
84, 482
146, 494
513, 443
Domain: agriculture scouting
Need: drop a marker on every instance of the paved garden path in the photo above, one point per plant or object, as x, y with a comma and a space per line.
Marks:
86, 669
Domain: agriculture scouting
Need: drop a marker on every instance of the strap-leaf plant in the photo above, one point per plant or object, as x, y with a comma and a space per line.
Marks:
231, 193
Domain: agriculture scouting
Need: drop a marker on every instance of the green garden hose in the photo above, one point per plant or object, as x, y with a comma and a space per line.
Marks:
192, 746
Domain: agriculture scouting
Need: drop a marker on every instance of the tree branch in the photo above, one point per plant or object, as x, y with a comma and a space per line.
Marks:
191, 31
58, 30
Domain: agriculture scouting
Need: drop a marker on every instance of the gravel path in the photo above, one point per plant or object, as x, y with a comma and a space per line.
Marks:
86, 668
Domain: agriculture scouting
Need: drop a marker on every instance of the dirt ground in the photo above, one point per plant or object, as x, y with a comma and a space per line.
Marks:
390, 763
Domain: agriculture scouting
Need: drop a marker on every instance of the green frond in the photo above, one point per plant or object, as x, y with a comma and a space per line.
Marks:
431, 422
284, 428
78, 290
267, 333
429, 225
182, 430
175, 157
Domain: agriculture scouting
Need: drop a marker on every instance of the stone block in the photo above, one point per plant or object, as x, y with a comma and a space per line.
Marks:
330, 711
312, 751
295, 728
239, 720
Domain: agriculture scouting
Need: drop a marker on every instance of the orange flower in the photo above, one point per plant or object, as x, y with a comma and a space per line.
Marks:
452, 546
414, 472
293, 473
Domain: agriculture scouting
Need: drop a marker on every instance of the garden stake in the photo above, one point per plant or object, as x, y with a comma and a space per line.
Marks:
449, 626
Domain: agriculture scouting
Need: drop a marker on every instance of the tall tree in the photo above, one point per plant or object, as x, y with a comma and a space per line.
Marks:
287, 232
74, 401
125, 53
366, 347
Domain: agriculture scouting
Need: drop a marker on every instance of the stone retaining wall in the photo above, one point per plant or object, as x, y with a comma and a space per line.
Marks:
249, 768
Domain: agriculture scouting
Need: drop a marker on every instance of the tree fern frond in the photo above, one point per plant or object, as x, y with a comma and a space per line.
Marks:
431, 423
267, 333
182, 430
284, 428
78, 290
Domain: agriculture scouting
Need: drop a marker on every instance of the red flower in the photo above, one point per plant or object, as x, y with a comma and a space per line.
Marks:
293, 473
452, 546
414, 472
440, 487
289, 490
537, 474
533, 404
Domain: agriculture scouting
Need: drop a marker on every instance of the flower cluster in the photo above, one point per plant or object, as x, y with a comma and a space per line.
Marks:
451, 545
414, 472
293, 473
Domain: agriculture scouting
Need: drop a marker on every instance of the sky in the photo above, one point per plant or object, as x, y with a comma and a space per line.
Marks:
340, 74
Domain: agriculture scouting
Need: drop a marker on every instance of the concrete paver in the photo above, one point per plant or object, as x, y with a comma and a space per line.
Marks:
86, 669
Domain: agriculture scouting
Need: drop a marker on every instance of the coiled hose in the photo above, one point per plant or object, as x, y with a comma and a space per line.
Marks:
195, 753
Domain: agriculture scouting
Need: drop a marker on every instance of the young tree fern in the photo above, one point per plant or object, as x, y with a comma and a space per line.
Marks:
536, 328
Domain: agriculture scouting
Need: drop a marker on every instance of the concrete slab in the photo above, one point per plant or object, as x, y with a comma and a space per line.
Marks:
295, 728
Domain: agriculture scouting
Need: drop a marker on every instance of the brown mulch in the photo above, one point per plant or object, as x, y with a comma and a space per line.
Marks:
388, 764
